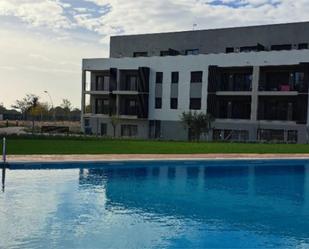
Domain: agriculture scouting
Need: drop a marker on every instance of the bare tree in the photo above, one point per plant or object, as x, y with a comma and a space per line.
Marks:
24, 105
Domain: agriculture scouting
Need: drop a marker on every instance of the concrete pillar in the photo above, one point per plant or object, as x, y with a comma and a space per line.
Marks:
83, 105
117, 105
255, 90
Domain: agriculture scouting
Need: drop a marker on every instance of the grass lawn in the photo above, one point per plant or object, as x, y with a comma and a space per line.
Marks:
39, 145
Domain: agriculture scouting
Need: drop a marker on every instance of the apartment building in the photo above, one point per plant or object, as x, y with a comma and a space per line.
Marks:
253, 80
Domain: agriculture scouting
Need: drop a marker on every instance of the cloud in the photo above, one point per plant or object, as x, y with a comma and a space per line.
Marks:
132, 17
113, 17
45, 40
48, 13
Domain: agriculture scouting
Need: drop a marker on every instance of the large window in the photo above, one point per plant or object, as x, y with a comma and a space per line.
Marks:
87, 122
197, 77
175, 77
292, 136
158, 103
129, 130
140, 54
102, 106
303, 46
192, 51
102, 83
236, 82
195, 103
131, 83
159, 77
103, 129
281, 47
154, 129
174, 103
271, 135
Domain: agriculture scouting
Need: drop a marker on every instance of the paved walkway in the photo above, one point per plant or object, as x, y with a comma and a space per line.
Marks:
127, 157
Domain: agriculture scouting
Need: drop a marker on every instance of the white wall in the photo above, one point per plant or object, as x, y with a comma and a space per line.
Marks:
184, 65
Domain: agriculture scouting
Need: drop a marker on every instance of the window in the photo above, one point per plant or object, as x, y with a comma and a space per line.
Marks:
229, 50
165, 53
154, 129
102, 106
195, 104
87, 122
303, 46
130, 107
270, 135
129, 130
174, 103
197, 77
105, 102
102, 83
140, 54
192, 51
131, 83
159, 77
169, 52
158, 104
132, 103
175, 77
281, 47
103, 129
292, 136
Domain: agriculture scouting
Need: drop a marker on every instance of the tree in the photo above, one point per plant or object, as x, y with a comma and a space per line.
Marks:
114, 122
25, 104
198, 123
67, 107
2, 108
34, 109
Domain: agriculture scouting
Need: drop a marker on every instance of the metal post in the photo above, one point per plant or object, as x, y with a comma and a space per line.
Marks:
51, 100
4, 162
4, 150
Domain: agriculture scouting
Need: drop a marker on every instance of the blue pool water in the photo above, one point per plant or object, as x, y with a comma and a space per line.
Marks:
157, 205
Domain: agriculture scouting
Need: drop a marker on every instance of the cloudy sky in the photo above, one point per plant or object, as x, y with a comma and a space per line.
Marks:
42, 42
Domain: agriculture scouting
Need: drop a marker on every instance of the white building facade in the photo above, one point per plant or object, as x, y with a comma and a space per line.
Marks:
254, 96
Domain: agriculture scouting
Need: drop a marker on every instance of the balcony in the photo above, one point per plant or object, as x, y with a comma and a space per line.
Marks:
133, 82
232, 107
132, 107
226, 81
104, 106
283, 108
285, 80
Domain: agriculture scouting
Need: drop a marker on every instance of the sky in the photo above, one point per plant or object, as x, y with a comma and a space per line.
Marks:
42, 42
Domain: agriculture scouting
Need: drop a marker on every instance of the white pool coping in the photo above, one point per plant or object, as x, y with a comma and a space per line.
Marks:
149, 157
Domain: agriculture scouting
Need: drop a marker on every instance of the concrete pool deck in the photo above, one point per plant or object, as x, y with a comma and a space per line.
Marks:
148, 157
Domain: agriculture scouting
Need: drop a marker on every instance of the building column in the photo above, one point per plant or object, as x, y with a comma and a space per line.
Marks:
254, 102
83, 104
255, 90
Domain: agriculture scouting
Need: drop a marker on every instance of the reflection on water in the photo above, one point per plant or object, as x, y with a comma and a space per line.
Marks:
158, 205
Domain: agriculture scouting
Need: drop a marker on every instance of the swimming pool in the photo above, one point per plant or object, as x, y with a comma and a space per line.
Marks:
185, 204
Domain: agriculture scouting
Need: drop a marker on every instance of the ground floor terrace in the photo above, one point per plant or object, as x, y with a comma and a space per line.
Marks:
223, 130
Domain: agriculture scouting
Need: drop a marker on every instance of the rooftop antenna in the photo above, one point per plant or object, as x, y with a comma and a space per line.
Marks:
194, 26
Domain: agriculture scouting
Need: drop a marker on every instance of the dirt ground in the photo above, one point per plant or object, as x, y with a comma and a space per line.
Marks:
17, 127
